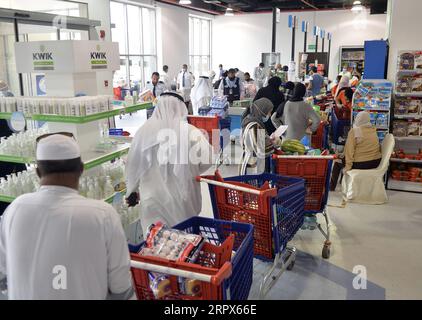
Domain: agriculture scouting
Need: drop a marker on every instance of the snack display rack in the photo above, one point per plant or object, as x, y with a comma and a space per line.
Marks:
374, 96
406, 163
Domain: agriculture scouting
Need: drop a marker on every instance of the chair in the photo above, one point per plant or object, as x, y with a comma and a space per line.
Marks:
367, 186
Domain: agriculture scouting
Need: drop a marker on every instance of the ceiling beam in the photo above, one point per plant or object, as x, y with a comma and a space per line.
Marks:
250, 3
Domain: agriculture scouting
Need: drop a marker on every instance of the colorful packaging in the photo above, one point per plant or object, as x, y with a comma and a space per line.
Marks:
413, 128
382, 120
407, 61
401, 106
190, 287
159, 284
415, 106
404, 84
417, 84
400, 128
418, 60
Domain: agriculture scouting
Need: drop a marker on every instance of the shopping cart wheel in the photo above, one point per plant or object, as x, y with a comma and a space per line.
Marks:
291, 265
326, 250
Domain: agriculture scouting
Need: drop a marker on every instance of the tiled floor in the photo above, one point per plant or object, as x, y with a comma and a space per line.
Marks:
385, 239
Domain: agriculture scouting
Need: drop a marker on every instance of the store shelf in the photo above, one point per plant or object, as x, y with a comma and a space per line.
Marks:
382, 128
415, 71
6, 199
409, 94
111, 198
408, 116
92, 159
414, 138
373, 109
84, 119
406, 161
92, 117
404, 185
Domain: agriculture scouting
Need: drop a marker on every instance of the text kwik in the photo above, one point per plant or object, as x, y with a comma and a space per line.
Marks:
42, 56
98, 55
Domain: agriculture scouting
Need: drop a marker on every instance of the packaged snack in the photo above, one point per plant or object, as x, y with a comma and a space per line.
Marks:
407, 61
189, 287
159, 284
414, 106
413, 128
417, 83
420, 132
381, 135
418, 60
382, 120
373, 116
404, 84
400, 128
401, 106
172, 244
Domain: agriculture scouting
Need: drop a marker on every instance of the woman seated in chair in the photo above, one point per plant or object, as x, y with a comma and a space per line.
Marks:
362, 150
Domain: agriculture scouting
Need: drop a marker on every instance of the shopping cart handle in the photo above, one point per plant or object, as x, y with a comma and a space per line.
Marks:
224, 272
277, 156
228, 185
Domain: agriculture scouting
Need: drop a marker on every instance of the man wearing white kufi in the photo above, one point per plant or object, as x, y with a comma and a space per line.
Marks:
165, 156
56, 244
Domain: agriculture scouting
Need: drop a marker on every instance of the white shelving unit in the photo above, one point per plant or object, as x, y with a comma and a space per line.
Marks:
406, 93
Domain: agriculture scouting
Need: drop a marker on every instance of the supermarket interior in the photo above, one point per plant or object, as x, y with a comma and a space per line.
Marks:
210, 150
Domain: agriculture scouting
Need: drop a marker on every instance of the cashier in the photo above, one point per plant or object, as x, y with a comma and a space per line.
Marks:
54, 243
156, 86
232, 87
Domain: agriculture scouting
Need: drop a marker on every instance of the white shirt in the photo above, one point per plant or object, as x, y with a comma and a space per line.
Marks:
166, 80
57, 227
159, 88
189, 79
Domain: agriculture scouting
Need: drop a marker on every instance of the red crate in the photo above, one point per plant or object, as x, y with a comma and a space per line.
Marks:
209, 125
318, 137
213, 260
314, 171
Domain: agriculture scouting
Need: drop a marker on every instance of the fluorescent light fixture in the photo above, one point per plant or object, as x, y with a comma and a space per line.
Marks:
229, 12
357, 6
185, 2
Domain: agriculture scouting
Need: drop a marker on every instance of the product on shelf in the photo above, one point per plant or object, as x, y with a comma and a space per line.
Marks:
413, 128
413, 174
401, 154
406, 61
373, 95
417, 83
21, 144
404, 84
74, 106
16, 184
400, 128
402, 106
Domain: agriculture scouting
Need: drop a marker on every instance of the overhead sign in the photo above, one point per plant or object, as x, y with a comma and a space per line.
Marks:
305, 25
292, 21
66, 56
316, 31
329, 35
322, 33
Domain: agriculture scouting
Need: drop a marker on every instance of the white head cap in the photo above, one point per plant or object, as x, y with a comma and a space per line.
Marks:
58, 147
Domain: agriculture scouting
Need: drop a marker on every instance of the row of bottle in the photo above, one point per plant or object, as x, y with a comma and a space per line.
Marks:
128, 215
98, 183
75, 106
21, 144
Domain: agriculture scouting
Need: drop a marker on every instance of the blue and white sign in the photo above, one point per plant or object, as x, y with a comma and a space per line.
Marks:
316, 31
305, 25
292, 21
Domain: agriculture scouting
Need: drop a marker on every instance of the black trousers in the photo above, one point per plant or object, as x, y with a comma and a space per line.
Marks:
338, 166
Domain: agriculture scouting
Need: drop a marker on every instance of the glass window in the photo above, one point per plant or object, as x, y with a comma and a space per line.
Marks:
65, 8
199, 45
135, 32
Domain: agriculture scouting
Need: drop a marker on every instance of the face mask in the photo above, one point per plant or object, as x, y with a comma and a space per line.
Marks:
265, 119
231, 78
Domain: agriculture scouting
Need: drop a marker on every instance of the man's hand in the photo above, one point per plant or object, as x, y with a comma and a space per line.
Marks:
133, 199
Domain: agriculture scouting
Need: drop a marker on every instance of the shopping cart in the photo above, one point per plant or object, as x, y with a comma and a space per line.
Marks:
316, 170
224, 266
214, 128
319, 139
339, 128
272, 204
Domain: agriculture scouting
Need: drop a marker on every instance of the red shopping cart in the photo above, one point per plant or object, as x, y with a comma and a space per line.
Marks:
316, 170
223, 269
214, 128
319, 139
272, 204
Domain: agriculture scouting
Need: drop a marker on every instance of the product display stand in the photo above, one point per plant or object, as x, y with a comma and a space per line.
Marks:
406, 163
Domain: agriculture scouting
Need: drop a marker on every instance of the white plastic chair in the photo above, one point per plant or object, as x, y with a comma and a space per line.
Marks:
367, 186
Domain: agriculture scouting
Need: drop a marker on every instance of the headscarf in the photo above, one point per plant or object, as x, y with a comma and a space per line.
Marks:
362, 120
298, 92
344, 83
271, 92
170, 113
201, 94
259, 108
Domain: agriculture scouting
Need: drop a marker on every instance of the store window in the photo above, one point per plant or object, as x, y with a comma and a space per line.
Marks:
60, 7
134, 30
199, 45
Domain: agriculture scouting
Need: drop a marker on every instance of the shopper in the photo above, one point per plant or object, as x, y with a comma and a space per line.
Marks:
56, 244
232, 87
288, 90
250, 87
342, 85
156, 86
335, 86
160, 172
316, 82
344, 108
248, 79
221, 72
185, 82
299, 116
362, 150
260, 75
218, 82
166, 78
202, 93
272, 92
257, 143
354, 82
240, 74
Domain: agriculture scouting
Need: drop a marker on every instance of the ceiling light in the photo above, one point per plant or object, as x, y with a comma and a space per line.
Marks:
357, 6
185, 2
229, 12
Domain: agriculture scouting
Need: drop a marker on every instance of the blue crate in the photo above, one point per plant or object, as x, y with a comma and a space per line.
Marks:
288, 204
216, 232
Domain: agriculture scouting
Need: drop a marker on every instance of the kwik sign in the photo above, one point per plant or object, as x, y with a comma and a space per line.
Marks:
98, 59
43, 60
